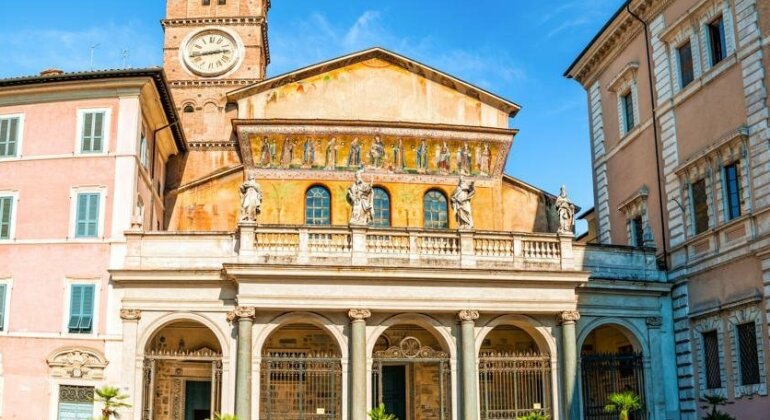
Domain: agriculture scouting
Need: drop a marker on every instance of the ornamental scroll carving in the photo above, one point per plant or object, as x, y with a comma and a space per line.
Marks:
410, 348
568, 317
359, 314
77, 363
130, 314
468, 315
241, 312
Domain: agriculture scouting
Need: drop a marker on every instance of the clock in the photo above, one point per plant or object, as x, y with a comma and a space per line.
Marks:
211, 52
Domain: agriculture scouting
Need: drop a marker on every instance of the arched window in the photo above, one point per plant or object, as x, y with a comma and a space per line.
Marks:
317, 206
381, 208
189, 108
435, 210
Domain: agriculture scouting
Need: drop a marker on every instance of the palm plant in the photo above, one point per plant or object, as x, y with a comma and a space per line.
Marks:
379, 413
623, 403
219, 416
112, 399
535, 415
716, 401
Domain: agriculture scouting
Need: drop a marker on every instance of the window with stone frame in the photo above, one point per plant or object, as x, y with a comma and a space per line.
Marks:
625, 86
318, 206
76, 402
717, 31
634, 208
709, 339
731, 194
700, 206
749, 375
686, 66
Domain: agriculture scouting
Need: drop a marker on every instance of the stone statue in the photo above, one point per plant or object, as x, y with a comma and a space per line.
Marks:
308, 154
484, 161
330, 162
461, 204
464, 160
377, 153
444, 159
287, 154
360, 198
354, 157
265, 155
422, 157
251, 199
398, 156
566, 211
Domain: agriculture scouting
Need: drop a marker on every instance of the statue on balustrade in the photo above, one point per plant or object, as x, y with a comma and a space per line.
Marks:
377, 153
444, 159
461, 204
398, 156
354, 156
464, 160
287, 154
360, 197
330, 162
422, 157
251, 199
484, 160
308, 154
566, 211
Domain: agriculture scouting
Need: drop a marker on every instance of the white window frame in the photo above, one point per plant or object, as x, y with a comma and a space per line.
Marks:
736, 318
68, 283
8, 283
53, 401
14, 212
74, 191
718, 8
107, 127
19, 133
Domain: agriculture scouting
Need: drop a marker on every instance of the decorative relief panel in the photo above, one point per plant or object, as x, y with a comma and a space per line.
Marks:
77, 363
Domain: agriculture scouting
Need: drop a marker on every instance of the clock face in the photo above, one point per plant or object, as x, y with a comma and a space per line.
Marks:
211, 53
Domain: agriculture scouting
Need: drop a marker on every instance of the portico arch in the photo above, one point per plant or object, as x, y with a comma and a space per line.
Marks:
430, 324
328, 326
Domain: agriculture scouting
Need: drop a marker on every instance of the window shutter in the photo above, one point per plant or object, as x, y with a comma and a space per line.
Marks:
87, 217
5, 217
81, 223
87, 132
93, 214
87, 308
3, 293
76, 305
98, 132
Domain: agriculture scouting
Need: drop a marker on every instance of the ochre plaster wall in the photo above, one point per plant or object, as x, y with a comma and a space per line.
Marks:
725, 283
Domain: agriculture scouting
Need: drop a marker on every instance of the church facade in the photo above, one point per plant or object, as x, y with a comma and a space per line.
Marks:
305, 246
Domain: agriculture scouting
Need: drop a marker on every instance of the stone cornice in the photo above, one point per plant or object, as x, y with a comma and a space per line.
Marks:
218, 20
212, 83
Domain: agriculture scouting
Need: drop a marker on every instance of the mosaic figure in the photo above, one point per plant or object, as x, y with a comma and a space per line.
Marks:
377, 153
308, 153
422, 157
330, 161
354, 156
287, 154
444, 159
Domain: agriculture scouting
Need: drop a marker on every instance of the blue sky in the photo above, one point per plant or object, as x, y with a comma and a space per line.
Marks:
517, 49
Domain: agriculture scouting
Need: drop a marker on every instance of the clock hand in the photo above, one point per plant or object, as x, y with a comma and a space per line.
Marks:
198, 54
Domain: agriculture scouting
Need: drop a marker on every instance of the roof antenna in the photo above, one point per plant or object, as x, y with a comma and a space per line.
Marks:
93, 47
124, 54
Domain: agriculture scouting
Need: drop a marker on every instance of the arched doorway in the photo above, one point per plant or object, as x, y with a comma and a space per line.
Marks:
301, 375
514, 375
610, 361
182, 373
411, 375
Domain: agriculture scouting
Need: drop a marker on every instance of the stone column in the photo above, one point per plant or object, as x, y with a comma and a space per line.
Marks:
244, 316
130, 319
569, 363
358, 363
468, 356
656, 382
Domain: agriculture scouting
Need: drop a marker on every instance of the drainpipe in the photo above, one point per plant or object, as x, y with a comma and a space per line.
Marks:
655, 133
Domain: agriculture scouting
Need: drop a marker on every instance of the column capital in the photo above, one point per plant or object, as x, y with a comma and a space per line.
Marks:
654, 322
468, 315
359, 314
241, 312
568, 317
130, 314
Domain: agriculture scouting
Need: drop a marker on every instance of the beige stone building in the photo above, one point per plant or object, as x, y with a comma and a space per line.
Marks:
678, 108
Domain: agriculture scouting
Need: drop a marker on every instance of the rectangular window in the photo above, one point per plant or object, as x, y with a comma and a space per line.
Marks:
206, 2
637, 231
76, 402
81, 308
686, 69
92, 136
732, 191
222, 2
700, 206
711, 360
144, 151
628, 111
747, 343
3, 297
6, 213
87, 215
717, 41
9, 136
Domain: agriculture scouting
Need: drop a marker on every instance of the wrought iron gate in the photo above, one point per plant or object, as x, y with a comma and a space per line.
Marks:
513, 385
301, 386
413, 354
606, 373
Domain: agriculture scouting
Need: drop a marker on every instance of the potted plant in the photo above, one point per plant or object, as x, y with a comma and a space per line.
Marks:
379, 413
112, 399
715, 401
624, 403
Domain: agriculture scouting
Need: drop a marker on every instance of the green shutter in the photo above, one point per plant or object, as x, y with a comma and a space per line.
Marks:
6, 208
76, 300
9, 128
3, 293
87, 132
87, 216
98, 131
81, 308
87, 308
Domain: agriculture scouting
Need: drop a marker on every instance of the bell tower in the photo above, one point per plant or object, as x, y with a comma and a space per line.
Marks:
212, 47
